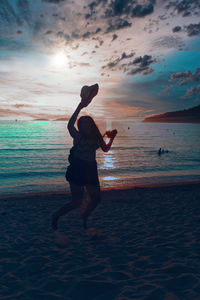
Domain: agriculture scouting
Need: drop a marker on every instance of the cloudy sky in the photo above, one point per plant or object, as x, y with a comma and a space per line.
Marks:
145, 55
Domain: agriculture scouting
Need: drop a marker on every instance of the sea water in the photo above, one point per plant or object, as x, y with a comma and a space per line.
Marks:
33, 155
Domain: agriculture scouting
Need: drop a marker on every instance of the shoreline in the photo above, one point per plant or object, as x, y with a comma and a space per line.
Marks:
123, 188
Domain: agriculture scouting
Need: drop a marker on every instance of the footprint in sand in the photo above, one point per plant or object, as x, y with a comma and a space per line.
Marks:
62, 239
93, 233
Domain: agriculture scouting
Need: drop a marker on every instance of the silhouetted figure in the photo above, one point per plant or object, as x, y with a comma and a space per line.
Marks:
162, 151
82, 172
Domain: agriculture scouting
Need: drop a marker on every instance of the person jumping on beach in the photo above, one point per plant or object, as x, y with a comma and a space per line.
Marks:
82, 172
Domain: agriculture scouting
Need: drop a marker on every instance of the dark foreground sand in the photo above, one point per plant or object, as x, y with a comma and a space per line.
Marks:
148, 247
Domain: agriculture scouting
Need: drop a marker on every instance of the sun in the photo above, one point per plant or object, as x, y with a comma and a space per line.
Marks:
59, 59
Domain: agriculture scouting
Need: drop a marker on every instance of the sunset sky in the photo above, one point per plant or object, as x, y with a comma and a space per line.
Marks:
145, 55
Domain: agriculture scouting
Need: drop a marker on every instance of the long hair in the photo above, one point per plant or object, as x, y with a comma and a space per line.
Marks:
93, 133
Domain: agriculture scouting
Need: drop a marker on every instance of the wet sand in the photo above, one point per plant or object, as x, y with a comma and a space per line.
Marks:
145, 245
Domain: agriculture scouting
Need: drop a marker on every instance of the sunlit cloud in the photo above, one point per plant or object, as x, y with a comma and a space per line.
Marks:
52, 48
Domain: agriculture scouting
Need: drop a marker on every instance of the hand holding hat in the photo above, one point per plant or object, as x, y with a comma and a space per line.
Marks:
88, 93
111, 134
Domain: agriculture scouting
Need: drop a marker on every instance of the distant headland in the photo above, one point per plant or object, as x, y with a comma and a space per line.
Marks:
191, 115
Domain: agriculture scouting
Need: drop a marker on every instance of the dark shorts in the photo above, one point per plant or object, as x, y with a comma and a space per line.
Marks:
82, 172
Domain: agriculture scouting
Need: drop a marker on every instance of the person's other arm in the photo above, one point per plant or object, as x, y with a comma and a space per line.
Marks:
106, 147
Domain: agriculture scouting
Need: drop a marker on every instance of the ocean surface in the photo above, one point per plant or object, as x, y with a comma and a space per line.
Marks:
33, 155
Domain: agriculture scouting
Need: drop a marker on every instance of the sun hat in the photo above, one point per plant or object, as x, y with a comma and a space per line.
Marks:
88, 93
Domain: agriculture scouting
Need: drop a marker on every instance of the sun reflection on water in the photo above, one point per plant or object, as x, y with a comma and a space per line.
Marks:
109, 160
109, 178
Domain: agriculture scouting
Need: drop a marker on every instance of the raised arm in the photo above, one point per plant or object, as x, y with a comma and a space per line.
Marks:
72, 130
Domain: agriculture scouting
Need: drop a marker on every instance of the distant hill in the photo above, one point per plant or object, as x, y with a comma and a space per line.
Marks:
191, 115
62, 119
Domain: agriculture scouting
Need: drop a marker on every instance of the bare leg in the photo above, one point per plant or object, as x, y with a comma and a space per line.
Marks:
77, 196
95, 198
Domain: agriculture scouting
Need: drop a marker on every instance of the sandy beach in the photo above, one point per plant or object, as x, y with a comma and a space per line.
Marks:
145, 245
